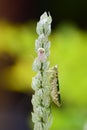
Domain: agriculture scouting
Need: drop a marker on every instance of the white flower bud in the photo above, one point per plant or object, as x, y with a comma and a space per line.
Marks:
36, 65
43, 26
41, 54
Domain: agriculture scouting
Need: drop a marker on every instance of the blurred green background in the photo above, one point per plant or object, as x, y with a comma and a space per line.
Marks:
68, 50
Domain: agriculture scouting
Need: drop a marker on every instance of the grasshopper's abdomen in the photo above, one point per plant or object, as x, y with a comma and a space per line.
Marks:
55, 92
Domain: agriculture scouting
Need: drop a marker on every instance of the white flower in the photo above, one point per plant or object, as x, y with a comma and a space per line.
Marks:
35, 83
36, 65
41, 99
35, 100
40, 93
41, 54
46, 65
43, 26
44, 19
39, 43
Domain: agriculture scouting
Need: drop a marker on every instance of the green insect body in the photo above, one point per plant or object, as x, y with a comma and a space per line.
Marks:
55, 93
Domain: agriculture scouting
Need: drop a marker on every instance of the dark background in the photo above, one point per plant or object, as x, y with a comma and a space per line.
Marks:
20, 11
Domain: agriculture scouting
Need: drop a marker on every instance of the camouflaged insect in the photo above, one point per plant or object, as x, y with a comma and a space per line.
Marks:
55, 93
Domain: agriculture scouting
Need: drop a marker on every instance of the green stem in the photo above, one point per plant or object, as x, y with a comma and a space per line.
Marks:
41, 71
